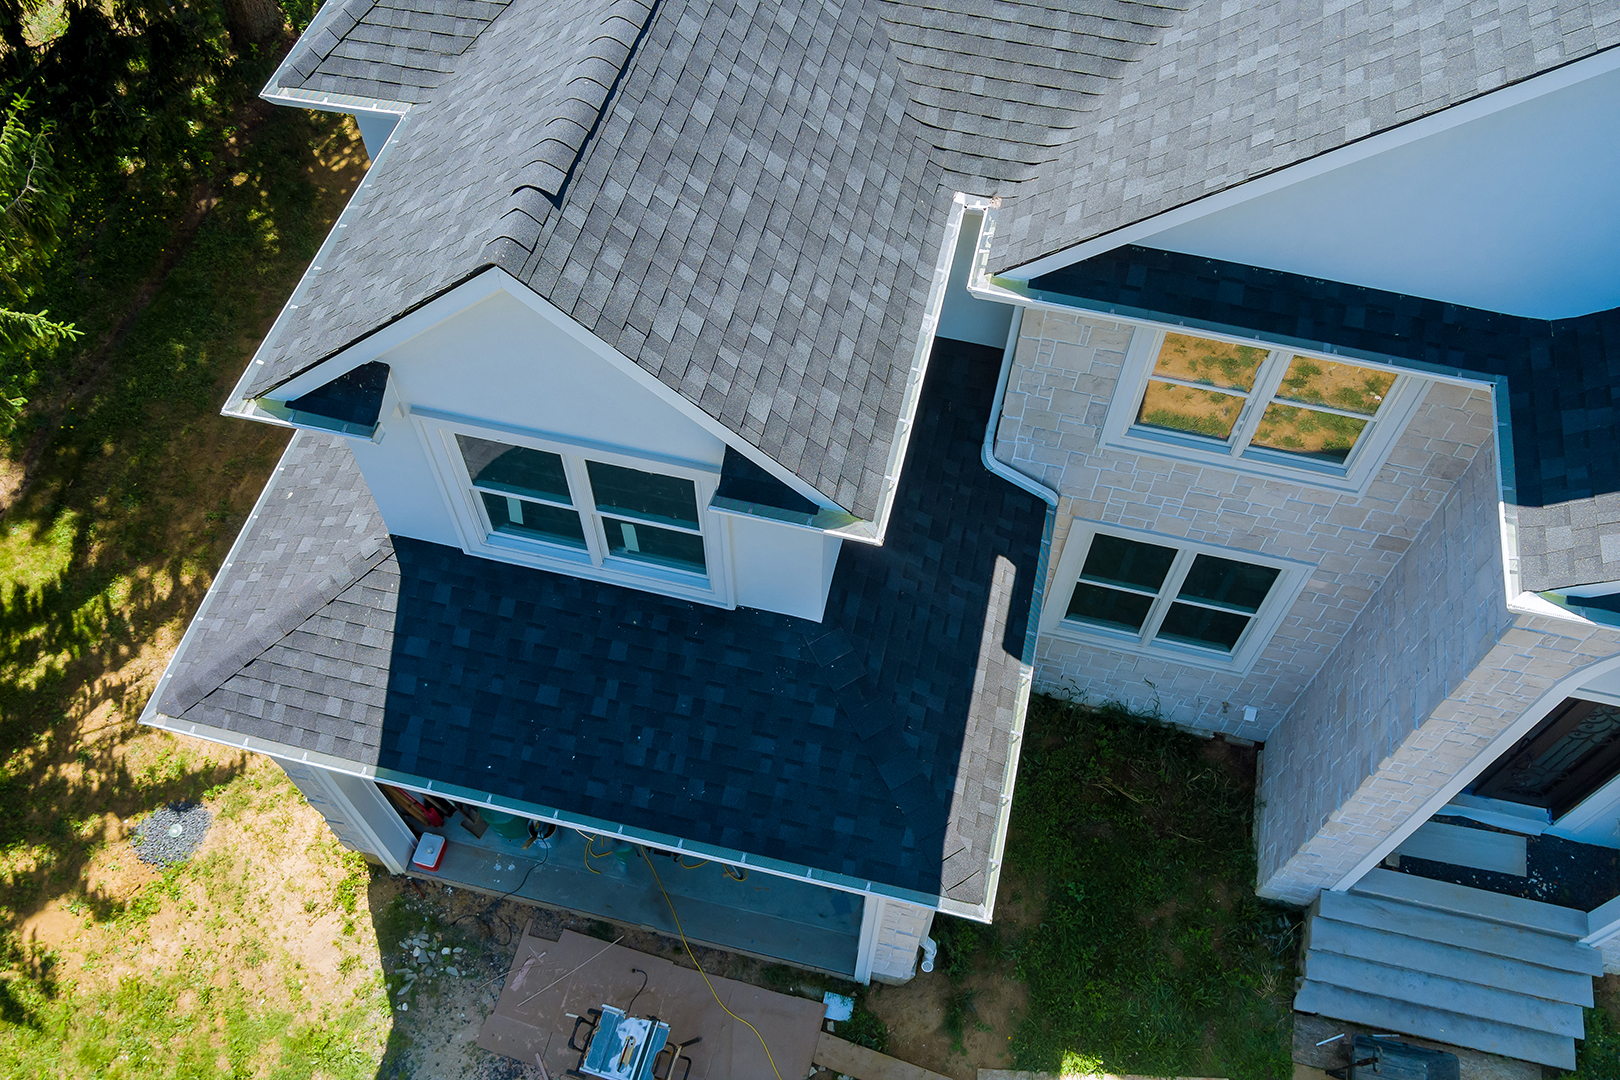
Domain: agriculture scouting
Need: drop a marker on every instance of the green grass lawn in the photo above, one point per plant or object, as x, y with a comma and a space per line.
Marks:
1143, 948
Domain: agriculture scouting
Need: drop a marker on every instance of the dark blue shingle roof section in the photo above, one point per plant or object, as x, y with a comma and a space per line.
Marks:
747, 488
873, 744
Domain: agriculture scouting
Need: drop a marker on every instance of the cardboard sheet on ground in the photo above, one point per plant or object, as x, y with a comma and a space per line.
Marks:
525, 1024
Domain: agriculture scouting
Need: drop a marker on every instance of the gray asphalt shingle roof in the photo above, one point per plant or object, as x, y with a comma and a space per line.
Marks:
395, 51
746, 199
756, 216
1237, 90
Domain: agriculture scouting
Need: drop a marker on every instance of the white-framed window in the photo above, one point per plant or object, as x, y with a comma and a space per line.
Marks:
590, 511
1154, 595
1248, 405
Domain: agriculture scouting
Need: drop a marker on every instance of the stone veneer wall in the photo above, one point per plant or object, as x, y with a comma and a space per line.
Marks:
1066, 367
900, 932
1433, 671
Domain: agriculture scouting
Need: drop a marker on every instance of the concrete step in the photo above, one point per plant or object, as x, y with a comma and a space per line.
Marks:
1467, 965
1447, 928
1509, 1040
1475, 903
1460, 845
1440, 992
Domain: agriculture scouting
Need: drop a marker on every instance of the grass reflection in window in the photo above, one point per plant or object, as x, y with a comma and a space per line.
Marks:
1312, 410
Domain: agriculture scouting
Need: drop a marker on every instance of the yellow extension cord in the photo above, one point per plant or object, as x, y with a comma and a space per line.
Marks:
699, 966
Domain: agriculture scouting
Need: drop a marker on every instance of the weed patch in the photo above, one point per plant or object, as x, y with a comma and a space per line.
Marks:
1153, 955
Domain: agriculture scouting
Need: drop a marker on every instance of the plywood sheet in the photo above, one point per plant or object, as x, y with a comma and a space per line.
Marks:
535, 1014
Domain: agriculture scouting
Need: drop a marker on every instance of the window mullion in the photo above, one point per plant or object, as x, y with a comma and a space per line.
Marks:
1265, 387
579, 487
1167, 593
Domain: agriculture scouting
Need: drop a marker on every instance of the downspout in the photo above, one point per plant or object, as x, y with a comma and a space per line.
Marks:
987, 452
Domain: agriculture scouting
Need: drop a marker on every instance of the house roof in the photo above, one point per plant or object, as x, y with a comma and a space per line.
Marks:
874, 744
1563, 401
1235, 91
748, 201
395, 51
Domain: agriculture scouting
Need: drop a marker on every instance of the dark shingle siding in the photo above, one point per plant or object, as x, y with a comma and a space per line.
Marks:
872, 744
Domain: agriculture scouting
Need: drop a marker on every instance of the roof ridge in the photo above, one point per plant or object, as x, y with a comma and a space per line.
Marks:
589, 84
266, 630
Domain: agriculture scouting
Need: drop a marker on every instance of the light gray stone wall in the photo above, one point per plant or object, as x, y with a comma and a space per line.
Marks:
900, 931
1065, 371
1436, 616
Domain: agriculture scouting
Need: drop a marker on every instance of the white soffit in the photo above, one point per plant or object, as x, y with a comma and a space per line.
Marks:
1506, 203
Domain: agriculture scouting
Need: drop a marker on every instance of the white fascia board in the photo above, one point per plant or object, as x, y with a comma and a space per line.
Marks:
1368, 146
327, 101
562, 818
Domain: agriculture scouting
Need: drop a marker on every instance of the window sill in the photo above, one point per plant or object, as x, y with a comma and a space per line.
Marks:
1209, 660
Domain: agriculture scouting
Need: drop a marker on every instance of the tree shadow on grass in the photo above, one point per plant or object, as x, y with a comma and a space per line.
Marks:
134, 500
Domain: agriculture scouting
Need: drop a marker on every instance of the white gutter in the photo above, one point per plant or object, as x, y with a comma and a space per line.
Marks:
987, 452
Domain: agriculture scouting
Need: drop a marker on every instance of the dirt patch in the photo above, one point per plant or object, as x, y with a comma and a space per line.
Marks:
992, 1004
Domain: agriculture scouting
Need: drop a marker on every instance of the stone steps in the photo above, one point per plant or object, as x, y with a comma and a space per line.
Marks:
1452, 964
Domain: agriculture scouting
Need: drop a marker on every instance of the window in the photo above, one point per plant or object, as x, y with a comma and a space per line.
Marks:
593, 513
1269, 409
1156, 595
635, 515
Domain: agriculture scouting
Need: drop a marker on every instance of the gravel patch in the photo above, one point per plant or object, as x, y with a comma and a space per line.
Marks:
169, 834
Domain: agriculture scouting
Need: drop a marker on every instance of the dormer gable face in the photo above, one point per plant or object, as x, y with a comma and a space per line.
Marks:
509, 432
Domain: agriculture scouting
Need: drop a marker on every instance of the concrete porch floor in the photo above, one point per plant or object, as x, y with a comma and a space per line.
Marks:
765, 916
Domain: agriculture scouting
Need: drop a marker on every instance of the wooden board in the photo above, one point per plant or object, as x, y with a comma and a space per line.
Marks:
848, 1059
1459, 845
533, 1016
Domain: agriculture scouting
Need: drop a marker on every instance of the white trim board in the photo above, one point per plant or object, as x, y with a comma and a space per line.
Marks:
1368, 146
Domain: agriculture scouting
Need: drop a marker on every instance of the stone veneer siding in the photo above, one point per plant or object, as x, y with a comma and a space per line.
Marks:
1434, 670
900, 932
1066, 367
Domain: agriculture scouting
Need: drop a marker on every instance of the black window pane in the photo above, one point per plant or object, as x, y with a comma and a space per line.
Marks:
519, 517
619, 490
1232, 584
1203, 626
514, 468
649, 544
1109, 606
1127, 562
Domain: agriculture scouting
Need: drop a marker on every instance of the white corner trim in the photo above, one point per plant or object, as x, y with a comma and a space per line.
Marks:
1411, 131
866, 951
